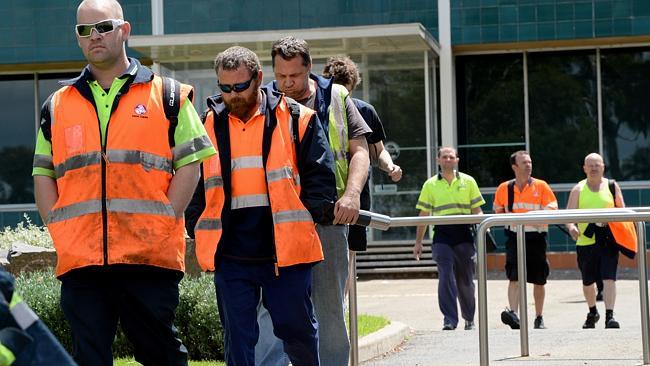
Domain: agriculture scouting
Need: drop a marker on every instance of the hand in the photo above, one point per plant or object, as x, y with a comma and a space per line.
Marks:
417, 251
346, 210
395, 172
574, 232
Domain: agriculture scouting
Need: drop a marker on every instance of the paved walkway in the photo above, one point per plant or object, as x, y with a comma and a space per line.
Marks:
414, 302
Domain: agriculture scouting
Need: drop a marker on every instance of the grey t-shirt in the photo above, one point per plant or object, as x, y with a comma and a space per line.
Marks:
357, 126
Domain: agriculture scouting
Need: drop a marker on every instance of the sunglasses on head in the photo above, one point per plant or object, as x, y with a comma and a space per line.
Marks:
102, 27
239, 87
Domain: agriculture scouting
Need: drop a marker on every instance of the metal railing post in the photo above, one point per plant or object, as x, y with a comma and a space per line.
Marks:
481, 277
643, 290
521, 274
354, 329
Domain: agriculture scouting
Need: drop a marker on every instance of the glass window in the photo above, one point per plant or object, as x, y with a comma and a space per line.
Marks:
396, 90
626, 112
490, 112
563, 113
17, 139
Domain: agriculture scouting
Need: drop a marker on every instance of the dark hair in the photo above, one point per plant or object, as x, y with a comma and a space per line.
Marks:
447, 147
342, 70
290, 47
513, 156
236, 56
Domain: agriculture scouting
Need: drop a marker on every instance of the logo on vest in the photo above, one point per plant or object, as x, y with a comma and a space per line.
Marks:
140, 111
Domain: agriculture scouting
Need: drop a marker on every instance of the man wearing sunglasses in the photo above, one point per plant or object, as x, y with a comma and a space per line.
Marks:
261, 194
346, 132
113, 173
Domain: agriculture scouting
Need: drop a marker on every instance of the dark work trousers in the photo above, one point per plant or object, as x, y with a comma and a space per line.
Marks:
142, 298
287, 297
456, 267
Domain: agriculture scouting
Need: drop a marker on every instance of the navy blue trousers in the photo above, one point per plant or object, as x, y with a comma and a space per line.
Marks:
142, 298
456, 267
287, 297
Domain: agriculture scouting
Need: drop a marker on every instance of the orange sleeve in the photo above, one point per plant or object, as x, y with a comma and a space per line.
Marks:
500, 198
548, 198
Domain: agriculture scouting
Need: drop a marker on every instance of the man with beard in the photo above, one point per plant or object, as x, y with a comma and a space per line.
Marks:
271, 179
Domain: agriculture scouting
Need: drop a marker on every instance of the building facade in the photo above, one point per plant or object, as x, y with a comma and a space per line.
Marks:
558, 78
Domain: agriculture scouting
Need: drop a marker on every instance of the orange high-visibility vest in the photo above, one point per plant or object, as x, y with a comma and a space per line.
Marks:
295, 237
625, 236
113, 206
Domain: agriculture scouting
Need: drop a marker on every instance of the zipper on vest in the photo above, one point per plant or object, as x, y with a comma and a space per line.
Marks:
104, 209
105, 163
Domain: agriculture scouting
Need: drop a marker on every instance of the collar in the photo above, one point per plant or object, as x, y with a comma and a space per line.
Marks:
321, 81
530, 182
140, 73
456, 173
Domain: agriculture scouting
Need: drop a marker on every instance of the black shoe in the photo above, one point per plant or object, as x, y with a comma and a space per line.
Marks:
448, 327
539, 322
509, 317
592, 319
612, 323
599, 296
469, 325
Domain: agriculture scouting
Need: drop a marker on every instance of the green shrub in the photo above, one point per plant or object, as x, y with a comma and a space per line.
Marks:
25, 232
197, 316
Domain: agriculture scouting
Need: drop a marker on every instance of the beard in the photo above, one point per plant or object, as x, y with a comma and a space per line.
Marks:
240, 107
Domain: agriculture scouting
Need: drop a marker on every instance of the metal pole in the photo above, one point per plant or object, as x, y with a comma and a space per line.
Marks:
643, 290
354, 329
481, 277
521, 274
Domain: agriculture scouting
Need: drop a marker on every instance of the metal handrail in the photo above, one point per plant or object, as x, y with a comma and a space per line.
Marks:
383, 222
589, 216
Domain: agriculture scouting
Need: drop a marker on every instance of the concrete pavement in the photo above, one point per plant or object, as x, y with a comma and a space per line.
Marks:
414, 302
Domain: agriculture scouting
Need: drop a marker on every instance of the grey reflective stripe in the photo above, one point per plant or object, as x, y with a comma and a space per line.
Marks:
191, 147
148, 160
476, 200
291, 216
337, 104
140, 207
425, 205
277, 174
74, 210
526, 206
246, 162
23, 315
251, 200
208, 224
213, 182
451, 206
43, 161
78, 161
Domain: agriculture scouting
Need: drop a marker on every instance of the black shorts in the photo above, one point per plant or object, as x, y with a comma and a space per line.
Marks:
597, 260
537, 269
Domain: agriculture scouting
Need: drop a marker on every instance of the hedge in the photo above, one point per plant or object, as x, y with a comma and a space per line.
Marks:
197, 316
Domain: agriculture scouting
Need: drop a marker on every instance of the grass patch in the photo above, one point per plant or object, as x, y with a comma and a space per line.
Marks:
132, 362
368, 323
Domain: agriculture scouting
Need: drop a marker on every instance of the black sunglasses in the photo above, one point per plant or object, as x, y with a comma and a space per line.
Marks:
103, 27
239, 87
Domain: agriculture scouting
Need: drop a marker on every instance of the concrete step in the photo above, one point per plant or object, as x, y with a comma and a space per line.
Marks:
389, 259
